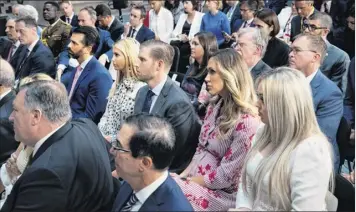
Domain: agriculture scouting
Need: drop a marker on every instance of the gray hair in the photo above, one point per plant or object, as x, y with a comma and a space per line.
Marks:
17, 6
160, 50
91, 11
258, 38
316, 44
7, 74
49, 97
324, 19
11, 17
28, 10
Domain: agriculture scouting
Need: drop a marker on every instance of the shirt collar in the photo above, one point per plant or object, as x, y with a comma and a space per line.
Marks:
4, 94
71, 17
249, 21
30, 47
157, 90
17, 44
85, 62
41, 141
146, 192
138, 27
311, 77
112, 21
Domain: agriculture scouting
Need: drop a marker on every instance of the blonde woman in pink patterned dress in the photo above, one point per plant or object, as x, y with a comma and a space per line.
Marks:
210, 182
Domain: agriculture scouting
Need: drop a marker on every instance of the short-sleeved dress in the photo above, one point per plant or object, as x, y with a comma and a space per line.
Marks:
219, 160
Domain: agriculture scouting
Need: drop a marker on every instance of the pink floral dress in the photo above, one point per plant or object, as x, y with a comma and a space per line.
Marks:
219, 160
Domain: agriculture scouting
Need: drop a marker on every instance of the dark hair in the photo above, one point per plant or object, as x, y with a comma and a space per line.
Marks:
170, 6
270, 18
29, 21
103, 10
54, 4
153, 137
194, 3
351, 11
210, 45
254, 5
91, 36
142, 9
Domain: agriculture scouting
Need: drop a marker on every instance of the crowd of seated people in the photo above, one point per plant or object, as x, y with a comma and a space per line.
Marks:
209, 105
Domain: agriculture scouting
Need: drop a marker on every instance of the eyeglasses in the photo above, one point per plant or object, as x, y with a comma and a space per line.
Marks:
297, 50
312, 27
260, 96
118, 147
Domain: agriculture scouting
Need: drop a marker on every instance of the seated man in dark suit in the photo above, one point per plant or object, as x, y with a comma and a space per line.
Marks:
10, 46
69, 16
251, 44
336, 62
36, 57
103, 50
164, 98
89, 84
232, 12
56, 35
7, 141
305, 10
307, 53
349, 101
69, 169
275, 5
143, 151
109, 22
136, 29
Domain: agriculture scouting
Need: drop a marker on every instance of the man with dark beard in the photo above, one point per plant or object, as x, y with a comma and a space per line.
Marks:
57, 33
89, 84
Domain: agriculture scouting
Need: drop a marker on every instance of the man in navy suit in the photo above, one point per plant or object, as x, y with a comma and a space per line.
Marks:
143, 151
103, 50
307, 53
109, 22
136, 29
36, 57
275, 5
232, 12
251, 44
69, 17
89, 84
337, 61
69, 168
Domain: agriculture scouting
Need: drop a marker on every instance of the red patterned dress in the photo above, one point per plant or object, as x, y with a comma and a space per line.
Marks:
219, 160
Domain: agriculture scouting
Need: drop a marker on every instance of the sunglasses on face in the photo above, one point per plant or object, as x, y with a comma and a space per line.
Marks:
312, 27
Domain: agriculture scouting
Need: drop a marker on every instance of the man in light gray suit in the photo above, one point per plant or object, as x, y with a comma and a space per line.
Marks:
336, 62
164, 98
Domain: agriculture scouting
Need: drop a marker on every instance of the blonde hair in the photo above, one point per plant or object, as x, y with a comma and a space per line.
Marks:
35, 77
238, 82
219, 3
291, 119
130, 48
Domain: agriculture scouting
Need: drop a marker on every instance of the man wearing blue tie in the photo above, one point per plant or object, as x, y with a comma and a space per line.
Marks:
143, 151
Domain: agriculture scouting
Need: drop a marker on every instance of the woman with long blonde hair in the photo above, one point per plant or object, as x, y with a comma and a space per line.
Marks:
289, 166
123, 92
211, 179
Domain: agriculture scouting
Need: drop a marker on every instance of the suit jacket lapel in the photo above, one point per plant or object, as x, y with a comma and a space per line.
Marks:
51, 140
157, 197
83, 75
123, 196
257, 68
6, 98
113, 25
141, 99
161, 99
139, 34
315, 82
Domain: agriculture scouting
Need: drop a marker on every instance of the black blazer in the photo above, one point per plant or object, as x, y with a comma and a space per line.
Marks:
259, 68
69, 172
74, 21
275, 5
144, 34
277, 53
174, 104
116, 29
296, 25
5, 46
7, 140
236, 15
40, 60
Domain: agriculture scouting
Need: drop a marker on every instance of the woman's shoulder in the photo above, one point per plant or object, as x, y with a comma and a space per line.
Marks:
248, 122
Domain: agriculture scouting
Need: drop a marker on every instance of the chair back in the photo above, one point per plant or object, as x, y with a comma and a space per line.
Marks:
343, 139
176, 57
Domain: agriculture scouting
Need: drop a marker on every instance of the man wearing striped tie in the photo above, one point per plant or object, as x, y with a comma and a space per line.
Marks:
143, 151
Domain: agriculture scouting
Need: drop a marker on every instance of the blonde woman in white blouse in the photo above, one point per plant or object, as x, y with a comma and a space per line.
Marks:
160, 20
193, 17
289, 166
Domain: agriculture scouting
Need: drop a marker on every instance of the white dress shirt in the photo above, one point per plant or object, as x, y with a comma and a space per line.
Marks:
146, 192
134, 35
41, 141
30, 47
311, 77
4, 94
16, 47
157, 91
70, 18
161, 24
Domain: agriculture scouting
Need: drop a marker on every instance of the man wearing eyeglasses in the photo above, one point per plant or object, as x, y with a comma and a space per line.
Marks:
307, 53
305, 10
336, 62
143, 151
